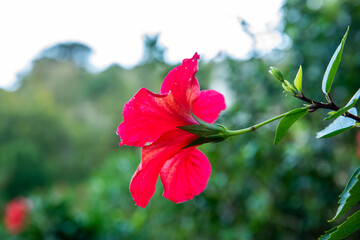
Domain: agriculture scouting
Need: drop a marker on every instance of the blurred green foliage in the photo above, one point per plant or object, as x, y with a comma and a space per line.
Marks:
59, 149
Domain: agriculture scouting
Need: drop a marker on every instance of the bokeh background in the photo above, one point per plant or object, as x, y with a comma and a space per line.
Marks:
59, 150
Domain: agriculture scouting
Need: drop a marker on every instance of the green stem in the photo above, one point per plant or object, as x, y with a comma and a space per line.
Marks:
254, 127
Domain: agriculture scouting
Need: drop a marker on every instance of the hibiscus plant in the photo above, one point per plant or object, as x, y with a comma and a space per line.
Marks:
170, 125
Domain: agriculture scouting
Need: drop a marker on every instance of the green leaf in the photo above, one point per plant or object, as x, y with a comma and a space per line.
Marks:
298, 80
288, 120
350, 104
333, 66
340, 112
345, 229
350, 196
354, 98
338, 126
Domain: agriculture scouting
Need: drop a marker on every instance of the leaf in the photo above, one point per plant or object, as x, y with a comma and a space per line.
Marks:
338, 113
350, 104
333, 66
338, 126
288, 120
354, 98
298, 80
345, 229
350, 196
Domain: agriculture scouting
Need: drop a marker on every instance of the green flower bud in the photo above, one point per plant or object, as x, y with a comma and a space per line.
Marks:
276, 74
288, 87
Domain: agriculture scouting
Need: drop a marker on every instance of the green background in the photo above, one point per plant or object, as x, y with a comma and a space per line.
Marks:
58, 145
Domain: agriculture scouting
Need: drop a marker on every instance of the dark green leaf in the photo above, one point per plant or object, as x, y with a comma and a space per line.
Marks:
288, 120
338, 126
348, 227
333, 66
350, 196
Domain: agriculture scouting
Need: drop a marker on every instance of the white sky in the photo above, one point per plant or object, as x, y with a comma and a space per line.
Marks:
114, 29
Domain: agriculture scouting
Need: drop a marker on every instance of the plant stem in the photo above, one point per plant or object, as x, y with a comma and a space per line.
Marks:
254, 127
315, 105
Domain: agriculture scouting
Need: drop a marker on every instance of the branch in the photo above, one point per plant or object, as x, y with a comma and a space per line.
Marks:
315, 105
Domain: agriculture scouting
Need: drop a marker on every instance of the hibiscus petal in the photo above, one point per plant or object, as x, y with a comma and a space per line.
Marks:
181, 82
208, 105
154, 156
148, 115
143, 182
185, 175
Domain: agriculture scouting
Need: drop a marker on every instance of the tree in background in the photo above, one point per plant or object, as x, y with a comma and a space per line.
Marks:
74, 52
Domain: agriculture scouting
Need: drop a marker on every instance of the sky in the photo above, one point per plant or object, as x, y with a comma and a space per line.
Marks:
115, 29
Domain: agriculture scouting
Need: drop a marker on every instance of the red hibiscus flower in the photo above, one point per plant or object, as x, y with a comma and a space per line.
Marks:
152, 121
15, 215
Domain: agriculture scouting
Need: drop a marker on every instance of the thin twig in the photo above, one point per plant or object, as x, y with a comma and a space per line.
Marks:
315, 105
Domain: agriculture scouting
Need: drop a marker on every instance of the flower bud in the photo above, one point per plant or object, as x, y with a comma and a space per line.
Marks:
288, 87
276, 74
